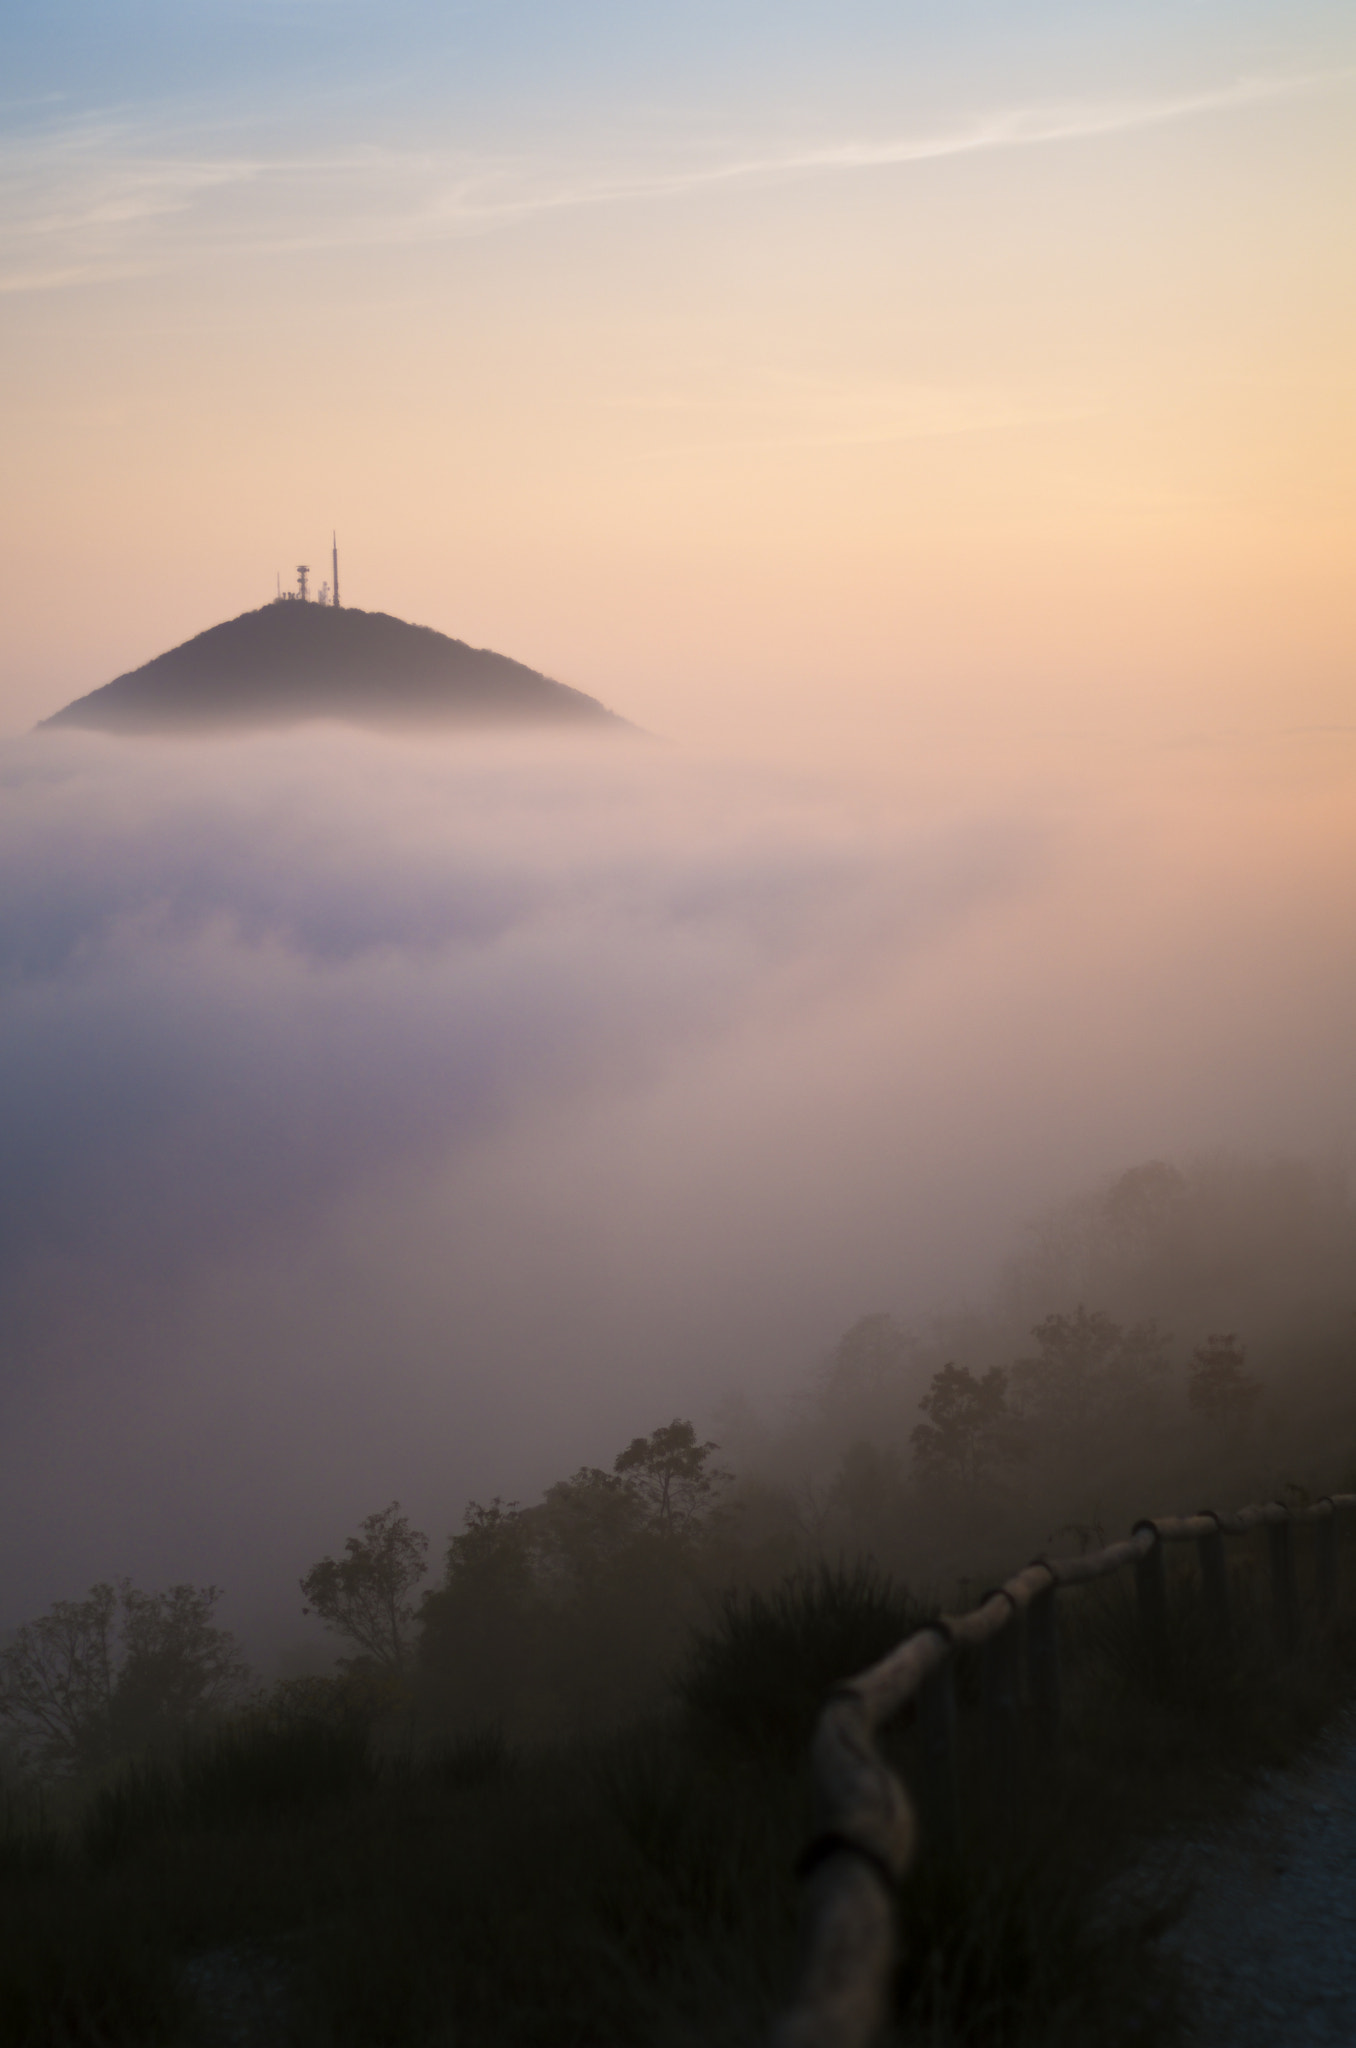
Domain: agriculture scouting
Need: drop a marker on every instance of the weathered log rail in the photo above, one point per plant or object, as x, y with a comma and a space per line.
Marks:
867, 1829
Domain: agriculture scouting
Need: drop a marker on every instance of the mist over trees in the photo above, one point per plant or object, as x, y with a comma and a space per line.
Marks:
1215, 1365
323, 1051
1178, 1334
937, 1453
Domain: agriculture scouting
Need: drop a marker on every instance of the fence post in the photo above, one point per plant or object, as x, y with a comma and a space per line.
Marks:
999, 1682
1286, 1605
937, 1741
1325, 1558
1042, 1669
1215, 1581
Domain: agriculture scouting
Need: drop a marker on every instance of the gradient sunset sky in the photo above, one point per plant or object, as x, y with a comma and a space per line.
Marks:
851, 369
936, 420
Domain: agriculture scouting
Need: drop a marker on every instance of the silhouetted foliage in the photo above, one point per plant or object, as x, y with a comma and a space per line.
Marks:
493, 1553
583, 1525
116, 1672
365, 1594
1087, 1371
671, 1473
580, 1823
1219, 1387
972, 1429
573, 1608
760, 1672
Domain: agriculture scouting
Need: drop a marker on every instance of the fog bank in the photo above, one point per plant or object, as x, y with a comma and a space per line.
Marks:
387, 1117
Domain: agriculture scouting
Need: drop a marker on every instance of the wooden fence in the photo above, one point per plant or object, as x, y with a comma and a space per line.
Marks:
867, 1830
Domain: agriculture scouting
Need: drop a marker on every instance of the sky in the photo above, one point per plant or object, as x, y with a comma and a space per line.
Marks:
753, 366
932, 425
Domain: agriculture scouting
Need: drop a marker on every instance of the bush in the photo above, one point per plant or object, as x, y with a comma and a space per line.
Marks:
761, 1673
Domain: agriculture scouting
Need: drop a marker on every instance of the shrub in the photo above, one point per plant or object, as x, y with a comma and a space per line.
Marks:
760, 1674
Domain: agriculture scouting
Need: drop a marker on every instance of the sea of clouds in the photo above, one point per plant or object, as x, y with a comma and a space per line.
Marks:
383, 1117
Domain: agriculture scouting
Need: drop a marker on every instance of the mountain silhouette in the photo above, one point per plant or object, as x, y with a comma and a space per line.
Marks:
290, 662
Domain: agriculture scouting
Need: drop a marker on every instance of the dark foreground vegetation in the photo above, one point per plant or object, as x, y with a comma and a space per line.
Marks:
556, 1801
304, 1873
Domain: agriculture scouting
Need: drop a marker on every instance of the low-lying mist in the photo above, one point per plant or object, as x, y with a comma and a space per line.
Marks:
397, 1118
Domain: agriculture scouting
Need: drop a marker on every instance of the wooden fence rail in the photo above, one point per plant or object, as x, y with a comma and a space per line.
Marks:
866, 1827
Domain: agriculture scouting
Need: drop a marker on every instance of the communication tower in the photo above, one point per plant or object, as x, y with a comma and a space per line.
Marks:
328, 592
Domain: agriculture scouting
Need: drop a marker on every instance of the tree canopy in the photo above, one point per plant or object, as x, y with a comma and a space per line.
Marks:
116, 1672
365, 1595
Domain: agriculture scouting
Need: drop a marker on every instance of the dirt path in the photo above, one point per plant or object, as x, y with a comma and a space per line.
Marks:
1268, 1941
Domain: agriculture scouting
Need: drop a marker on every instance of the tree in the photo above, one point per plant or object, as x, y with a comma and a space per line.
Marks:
569, 1608
479, 1632
1137, 1368
583, 1525
660, 1485
1087, 1369
493, 1554
972, 1428
178, 1668
670, 1472
365, 1594
116, 1672
1059, 1384
1219, 1388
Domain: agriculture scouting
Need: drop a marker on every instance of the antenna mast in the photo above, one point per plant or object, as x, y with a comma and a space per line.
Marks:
334, 539
303, 571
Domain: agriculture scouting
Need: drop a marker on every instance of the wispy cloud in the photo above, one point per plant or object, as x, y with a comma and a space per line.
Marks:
102, 201
82, 204
1008, 128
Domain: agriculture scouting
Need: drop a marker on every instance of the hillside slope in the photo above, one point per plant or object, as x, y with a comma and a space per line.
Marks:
287, 663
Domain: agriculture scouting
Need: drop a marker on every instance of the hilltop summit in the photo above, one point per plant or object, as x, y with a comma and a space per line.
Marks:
287, 663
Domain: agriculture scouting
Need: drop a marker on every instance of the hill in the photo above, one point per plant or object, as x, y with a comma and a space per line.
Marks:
290, 662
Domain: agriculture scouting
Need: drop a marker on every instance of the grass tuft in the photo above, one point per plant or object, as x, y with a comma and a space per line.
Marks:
760, 1673
255, 1766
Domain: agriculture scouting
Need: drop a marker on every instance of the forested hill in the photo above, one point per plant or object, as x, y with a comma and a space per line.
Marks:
290, 662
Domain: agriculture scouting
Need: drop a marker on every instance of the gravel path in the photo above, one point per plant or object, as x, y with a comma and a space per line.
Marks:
1268, 1941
